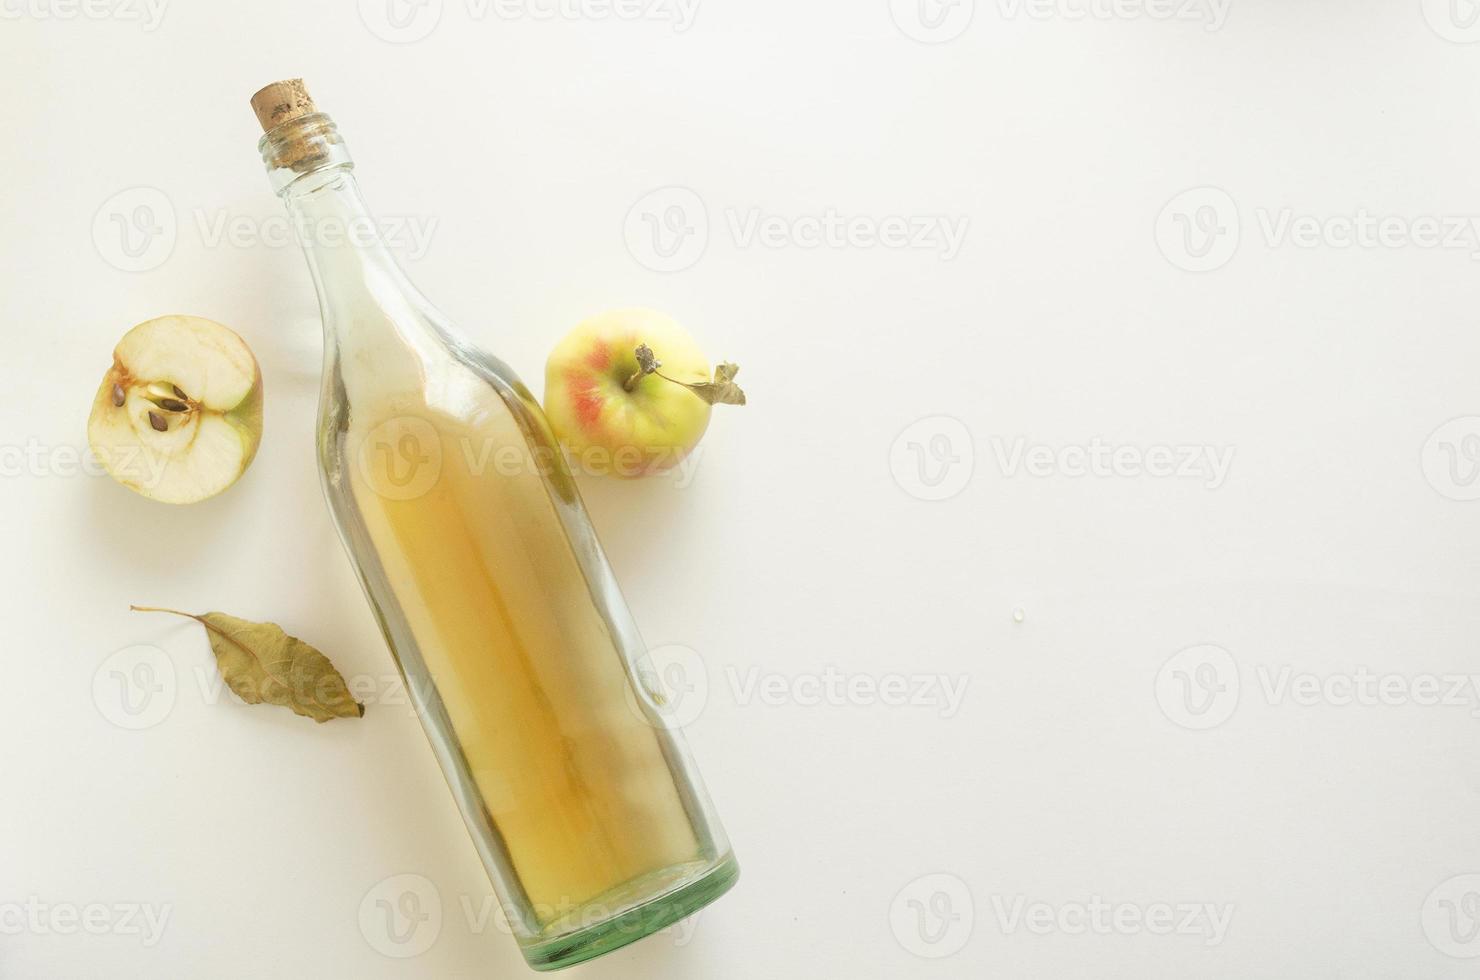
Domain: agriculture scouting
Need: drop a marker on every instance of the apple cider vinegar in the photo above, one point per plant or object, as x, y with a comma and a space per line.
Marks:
530, 676
481, 565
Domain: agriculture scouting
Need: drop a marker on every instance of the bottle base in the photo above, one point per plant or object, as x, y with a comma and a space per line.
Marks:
635, 923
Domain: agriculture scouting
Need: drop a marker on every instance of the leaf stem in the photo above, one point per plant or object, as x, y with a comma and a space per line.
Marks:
162, 609
213, 628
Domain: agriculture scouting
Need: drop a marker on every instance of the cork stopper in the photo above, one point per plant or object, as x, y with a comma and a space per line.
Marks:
279, 102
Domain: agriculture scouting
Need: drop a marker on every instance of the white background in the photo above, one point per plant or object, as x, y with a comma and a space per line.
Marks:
1084, 764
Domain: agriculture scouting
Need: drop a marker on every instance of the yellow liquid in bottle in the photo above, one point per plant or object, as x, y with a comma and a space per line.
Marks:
572, 776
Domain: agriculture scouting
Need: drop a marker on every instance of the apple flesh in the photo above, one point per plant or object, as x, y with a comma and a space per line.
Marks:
610, 413
178, 416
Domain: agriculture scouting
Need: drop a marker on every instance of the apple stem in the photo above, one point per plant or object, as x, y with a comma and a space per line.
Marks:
722, 390
647, 363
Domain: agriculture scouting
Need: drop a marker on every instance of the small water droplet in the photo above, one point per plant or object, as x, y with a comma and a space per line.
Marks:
1018, 615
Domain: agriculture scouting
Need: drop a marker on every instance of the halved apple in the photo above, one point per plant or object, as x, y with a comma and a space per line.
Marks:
178, 416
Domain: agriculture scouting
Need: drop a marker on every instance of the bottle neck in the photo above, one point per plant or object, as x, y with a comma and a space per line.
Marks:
310, 168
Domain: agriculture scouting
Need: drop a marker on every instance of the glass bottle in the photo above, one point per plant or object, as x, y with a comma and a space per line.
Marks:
480, 563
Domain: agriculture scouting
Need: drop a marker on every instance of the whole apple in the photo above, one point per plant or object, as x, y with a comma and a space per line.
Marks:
628, 392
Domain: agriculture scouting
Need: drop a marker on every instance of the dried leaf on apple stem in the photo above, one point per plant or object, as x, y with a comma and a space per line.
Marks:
261, 663
721, 391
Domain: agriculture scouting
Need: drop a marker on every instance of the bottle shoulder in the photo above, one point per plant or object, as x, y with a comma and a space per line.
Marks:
450, 393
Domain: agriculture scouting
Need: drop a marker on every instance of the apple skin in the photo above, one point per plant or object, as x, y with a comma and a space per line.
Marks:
609, 429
